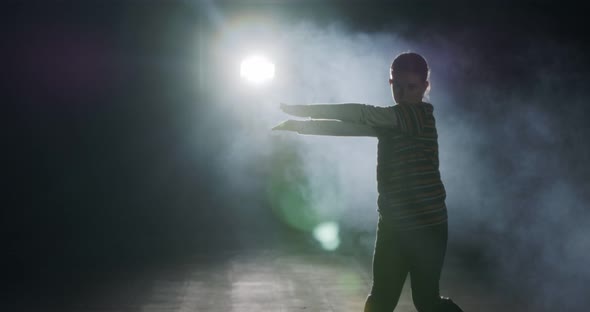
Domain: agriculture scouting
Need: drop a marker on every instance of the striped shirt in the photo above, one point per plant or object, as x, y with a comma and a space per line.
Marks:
411, 193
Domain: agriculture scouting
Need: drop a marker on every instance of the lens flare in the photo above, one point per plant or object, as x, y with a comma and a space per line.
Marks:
327, 234
257, 69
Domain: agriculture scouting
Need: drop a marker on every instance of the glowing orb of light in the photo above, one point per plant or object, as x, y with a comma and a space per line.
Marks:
257, 69
327, 234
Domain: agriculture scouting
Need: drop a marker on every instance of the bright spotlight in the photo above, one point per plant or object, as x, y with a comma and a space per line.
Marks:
327, 234
257, 69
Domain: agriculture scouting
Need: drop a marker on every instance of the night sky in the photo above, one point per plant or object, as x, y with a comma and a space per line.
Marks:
117, 132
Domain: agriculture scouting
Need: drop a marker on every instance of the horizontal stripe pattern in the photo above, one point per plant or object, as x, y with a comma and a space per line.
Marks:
411, 193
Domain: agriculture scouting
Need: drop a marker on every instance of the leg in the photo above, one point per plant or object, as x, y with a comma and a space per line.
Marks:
426, 248
389, 271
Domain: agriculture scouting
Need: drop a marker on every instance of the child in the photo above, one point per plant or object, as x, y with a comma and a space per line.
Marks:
412, 225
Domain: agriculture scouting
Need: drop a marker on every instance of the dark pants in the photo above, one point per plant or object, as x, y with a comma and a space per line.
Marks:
419, 252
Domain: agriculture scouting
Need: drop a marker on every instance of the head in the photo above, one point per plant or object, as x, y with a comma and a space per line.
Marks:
408, 78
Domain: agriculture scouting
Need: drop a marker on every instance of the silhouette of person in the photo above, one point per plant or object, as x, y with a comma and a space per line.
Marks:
412, 224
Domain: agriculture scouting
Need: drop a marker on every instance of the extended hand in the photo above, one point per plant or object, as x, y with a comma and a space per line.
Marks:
288, 125
295, 110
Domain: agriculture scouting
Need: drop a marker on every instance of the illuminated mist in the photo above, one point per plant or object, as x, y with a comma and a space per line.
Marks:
511, 151
132, 137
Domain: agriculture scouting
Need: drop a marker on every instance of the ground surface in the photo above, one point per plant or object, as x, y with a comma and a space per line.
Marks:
248, 281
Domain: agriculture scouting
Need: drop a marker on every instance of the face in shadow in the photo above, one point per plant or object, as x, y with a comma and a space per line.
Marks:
407, 87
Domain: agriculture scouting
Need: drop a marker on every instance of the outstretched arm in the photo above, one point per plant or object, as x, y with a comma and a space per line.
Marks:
407, 118
349, 112
327, 127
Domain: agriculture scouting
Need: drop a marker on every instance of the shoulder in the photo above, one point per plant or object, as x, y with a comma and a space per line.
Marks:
426, 105
422, 106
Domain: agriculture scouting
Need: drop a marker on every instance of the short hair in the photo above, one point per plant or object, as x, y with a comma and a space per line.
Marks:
410, 62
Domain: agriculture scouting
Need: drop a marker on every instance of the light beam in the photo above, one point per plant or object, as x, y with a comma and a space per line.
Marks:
257, 69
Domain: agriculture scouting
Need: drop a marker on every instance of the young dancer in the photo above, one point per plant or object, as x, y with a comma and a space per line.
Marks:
412, 224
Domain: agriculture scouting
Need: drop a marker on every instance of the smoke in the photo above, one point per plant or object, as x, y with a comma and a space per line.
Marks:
335, 179
511, 146
513, 161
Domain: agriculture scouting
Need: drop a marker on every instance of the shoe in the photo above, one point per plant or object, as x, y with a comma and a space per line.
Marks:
447, 305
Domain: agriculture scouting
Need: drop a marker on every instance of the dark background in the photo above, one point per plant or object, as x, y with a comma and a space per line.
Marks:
102, 171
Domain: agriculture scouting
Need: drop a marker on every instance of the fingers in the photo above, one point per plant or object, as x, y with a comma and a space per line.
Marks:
296, 110
288, 125
278, 127
282, 126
